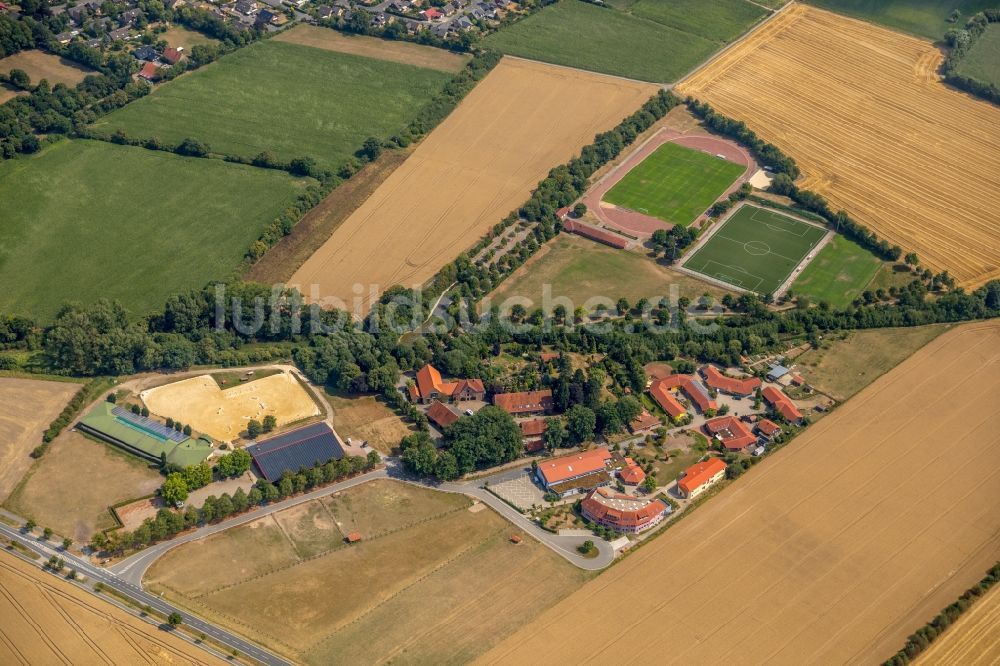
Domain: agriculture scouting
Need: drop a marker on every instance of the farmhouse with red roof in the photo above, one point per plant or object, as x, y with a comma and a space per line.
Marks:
524, 403
701, 476
644, 423
768, 428
430, 386
782, 404
721, 382
623, 513
441, 414
533, 434
733, 433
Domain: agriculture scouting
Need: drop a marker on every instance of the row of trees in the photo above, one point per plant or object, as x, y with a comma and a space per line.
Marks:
168, 523
960, 42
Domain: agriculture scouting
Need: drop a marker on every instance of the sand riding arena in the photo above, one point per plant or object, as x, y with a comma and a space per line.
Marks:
637, 224
223, 414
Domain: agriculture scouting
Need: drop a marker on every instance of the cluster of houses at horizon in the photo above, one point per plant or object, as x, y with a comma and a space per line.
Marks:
680, 396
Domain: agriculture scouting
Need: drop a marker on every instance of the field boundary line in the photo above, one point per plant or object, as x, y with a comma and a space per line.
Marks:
665, 86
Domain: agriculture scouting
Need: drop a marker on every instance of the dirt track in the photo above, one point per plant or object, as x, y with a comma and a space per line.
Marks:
974, 639
832, 551
27, 406
45, 620
476, 167
860, 110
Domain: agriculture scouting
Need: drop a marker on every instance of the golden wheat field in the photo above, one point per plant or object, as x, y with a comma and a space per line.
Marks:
832, 551
862, 112
973, 640
477, 166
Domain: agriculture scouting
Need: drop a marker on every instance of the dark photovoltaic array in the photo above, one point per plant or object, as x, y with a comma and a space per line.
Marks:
299, 448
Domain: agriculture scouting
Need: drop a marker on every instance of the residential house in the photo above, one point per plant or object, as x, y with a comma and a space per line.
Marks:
66, 37
441, 30
430, 386
123, 34
701, 476
768, 429
172, 55
129, 17
643, 423
462, 23
533, 434
325, 12
632, 474
623, 513
782, 404
432, 14
731, 385
246, 7
575, 473
145, 53
449, 9
734, 435
148, 71
524, 403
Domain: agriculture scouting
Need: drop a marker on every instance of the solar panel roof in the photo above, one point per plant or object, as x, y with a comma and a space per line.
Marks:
304, 447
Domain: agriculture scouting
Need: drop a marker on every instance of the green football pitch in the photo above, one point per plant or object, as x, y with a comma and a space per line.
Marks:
674, 184
756, 249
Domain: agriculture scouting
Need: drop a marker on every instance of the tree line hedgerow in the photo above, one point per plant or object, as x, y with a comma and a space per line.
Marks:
961, 41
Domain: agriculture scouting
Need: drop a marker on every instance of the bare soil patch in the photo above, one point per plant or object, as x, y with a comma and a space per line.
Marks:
27, 406
280, 262
372, 47
820, 530
72, 487
472, 170
8, 92
861, 110
224, 414
40, 65
46, 620
366, 418
133, 514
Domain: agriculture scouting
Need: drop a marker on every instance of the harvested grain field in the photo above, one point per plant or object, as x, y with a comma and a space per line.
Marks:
27, 406
436, 581
224, 413
476, 167
974, 639
407, 53
861, 110
846, 540
41, 65
46, 620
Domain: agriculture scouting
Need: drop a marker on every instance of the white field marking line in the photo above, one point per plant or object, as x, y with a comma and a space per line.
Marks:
744, 243
738, 269
777, 225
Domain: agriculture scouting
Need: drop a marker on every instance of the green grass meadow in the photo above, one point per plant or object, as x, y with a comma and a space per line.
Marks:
290, 99
605, 40
982, 62
838, 274
756, 249
719, 20
925, 18
674, 184
94, 219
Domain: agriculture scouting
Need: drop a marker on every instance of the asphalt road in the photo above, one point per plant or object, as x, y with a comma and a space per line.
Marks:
110, 580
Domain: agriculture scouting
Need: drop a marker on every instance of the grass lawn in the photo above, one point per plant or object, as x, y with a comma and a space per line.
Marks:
368, 418
72, 486
719, 20
178, 35
290, 99
41, 65
436, 582
848, 361
580, 269
577, 34
97, 220
674, 183
982, 62
926, 18
756, 249
891, 275
838, 274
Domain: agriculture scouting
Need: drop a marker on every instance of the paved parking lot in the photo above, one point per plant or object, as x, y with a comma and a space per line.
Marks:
520, 491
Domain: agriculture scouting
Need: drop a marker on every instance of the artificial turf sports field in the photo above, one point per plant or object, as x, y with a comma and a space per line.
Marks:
289, 99
755, 249
96, 220
674, 184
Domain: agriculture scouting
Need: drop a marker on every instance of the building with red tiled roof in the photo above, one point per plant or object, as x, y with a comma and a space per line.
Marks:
782, 404
701, 476
430, 386
733, 433
523, 403
578, 471
549, 356
431, 14
666, 400
768, 428
148, 71
172, 55
533, 434
644, 422
441, 414
692, 388
593, 233
632, 475
623, 513
720, 382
